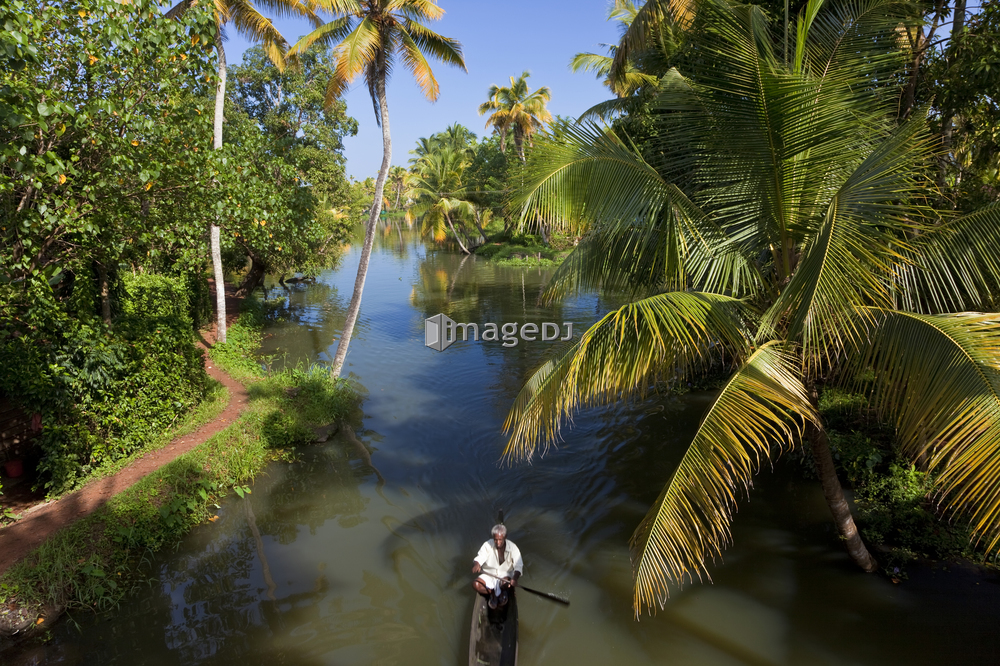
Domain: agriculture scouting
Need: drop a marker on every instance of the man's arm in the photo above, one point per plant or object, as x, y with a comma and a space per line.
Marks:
515, 553
477, 564
513, 579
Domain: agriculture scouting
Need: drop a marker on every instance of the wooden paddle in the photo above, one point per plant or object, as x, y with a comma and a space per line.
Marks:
547, 595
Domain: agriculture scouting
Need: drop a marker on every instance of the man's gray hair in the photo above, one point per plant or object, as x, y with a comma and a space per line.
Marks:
500, 531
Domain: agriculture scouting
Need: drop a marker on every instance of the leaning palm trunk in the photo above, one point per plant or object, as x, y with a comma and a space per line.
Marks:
366, 249
455, 234
835, 499
214, 241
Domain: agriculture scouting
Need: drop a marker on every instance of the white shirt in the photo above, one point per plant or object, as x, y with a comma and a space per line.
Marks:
489, 559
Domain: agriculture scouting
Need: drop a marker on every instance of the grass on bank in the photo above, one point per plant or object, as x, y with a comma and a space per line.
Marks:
526, 250
100, 559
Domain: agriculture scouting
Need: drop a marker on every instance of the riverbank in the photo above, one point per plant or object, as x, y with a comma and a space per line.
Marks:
90, 548
526, 250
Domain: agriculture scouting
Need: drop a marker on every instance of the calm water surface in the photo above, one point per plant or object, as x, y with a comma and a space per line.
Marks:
332, 561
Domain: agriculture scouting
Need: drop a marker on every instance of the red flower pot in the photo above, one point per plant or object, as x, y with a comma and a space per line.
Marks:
13, 468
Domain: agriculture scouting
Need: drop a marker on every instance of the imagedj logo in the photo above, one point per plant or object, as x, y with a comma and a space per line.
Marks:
440, 332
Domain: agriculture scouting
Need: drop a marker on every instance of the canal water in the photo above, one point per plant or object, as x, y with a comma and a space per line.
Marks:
334, 561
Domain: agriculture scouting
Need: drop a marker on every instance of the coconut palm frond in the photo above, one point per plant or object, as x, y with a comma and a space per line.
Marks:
663, 337
328, 33
445, 49
676, 249
258, 28
591, 62
588, 174
956, 265
416, 63
415, 10
646, 26
847, 265
764, 406
294, 9
937, 377
607, 110
855, 42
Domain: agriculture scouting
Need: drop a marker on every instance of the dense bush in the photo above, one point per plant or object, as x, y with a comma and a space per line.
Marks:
893, 498
105, 392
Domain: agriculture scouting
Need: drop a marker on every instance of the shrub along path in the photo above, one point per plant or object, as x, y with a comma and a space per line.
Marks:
45, 519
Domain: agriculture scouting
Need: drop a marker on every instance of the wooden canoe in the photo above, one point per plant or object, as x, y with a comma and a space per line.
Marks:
493, 640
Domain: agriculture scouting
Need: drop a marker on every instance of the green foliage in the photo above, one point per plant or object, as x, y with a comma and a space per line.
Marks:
893, 497
959, 79
489, 173
101, 559
104, 178
780, 177
105, 393
530, 250
100, 127
286, 214
149, 296
238, 355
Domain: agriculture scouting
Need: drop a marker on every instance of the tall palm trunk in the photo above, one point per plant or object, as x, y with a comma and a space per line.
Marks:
214, 241
366, 249
519, 144
835, 499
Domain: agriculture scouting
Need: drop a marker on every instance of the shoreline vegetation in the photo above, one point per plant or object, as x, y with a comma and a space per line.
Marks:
98, 560
525, 250
892, 499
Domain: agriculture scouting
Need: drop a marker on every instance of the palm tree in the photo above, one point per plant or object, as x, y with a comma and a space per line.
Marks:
256, 27
638, 74
397, 176
780, 228
368, 36
515, 109
438, 194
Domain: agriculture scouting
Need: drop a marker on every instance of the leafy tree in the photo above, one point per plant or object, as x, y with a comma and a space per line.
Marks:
640, 73
256, 27
488, 174
105, 170
439, 196
368, 36
101, 123
397, 181
514, 109
782, 230
268, 216
959, 78
294, 144
288, 105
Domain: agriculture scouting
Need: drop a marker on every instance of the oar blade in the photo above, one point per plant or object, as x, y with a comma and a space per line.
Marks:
547, 595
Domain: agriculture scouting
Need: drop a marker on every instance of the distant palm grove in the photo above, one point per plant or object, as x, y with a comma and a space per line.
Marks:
795, 204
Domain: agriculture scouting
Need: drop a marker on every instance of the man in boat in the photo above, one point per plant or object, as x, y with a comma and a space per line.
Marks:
497, 567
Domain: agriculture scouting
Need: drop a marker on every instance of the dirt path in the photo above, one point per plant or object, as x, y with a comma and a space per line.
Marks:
45, 519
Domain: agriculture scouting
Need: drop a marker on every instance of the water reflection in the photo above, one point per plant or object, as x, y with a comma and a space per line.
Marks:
345, 569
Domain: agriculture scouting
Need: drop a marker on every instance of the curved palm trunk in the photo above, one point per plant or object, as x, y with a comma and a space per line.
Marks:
366, 249
479, 226
455, 234
835, 499
214, 241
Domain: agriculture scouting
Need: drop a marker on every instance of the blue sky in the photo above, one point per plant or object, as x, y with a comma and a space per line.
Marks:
499, 40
